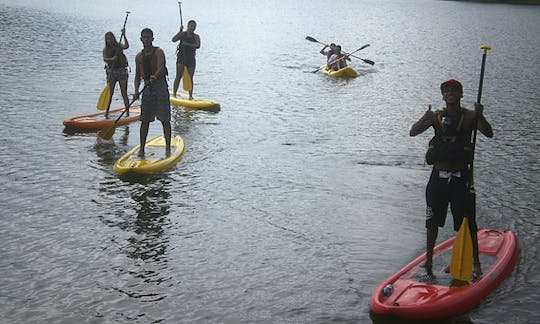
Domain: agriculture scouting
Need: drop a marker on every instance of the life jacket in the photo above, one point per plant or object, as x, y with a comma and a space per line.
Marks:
121, 60
451, 142
148, 66
186, 51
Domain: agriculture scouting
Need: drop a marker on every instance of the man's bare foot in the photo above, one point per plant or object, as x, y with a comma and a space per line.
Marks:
141, 153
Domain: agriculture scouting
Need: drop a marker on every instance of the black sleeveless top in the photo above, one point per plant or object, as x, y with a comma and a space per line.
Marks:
186, 54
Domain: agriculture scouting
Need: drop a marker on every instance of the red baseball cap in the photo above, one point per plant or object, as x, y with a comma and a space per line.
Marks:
452, 83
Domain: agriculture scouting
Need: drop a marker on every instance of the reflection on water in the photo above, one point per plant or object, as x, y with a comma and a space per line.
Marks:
144, 222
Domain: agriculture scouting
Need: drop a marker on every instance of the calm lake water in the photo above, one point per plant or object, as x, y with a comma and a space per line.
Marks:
294, 201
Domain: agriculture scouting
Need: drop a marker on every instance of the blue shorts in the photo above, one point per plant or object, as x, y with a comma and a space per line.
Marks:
155, 102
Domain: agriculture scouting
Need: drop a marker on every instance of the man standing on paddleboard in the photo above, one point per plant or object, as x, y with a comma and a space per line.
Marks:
150, 66
450, 152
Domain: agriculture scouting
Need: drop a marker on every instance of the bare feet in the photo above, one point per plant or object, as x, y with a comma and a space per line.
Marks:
141, 154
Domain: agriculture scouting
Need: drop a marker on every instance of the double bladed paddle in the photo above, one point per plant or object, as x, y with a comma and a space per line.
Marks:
341, 58
462, 251
370, 62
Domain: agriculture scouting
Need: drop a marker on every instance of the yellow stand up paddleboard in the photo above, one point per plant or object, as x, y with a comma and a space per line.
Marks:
154, 159
197, 103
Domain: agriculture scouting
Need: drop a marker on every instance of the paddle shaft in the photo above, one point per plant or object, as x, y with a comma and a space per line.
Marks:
124, 27
180, 9
478, 99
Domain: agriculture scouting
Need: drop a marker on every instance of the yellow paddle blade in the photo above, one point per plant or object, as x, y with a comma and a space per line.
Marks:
104, 98
107, 132
462, 253
187, 83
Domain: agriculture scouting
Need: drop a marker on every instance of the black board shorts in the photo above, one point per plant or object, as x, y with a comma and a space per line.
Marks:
155, 102
446, 188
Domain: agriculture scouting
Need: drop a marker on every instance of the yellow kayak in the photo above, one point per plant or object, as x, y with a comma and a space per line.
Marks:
197, 103
345, 72
154, 160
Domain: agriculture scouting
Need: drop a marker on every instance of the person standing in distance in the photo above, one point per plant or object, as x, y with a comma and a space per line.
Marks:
151, 67
450, 153
185, 54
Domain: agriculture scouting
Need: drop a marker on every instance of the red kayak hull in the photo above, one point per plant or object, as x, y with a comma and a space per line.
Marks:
97, 121
413, 298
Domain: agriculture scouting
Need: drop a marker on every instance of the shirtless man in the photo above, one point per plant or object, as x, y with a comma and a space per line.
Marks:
150, 66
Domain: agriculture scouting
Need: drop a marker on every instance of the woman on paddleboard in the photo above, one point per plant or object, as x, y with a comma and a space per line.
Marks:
116, 66
450, 153
185, 54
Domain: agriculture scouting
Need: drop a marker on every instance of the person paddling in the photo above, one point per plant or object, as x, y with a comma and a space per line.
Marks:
337, 59
151, 67
328, 53
450, 153
116, 66
185, 54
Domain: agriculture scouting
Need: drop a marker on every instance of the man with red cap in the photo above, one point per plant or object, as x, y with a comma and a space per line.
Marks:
450, 153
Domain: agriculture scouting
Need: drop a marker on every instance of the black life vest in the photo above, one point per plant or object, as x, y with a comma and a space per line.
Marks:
148, 66
451, 142
187, 52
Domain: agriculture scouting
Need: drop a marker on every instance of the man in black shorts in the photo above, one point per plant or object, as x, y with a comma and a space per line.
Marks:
150, 66
450, 153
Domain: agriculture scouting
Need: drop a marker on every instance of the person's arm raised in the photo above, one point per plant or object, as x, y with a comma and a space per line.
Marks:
423, 123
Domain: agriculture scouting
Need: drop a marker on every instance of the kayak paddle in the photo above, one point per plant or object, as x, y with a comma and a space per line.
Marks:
341, 58
370, 62
462, 251
105, 96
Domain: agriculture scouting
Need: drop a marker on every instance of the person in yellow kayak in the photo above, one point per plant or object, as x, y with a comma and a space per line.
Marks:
151, 67
450, 153
185, 54
337, 59
328, 53
116, 66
